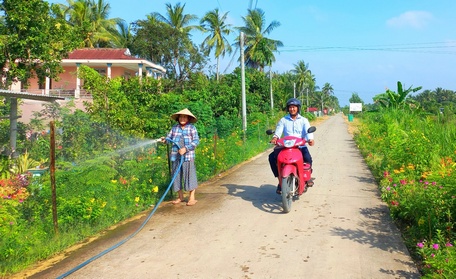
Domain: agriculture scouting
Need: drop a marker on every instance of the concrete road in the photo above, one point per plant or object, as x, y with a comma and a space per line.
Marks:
338, 229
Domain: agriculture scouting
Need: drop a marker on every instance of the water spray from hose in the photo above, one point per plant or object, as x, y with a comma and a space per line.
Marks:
154, 141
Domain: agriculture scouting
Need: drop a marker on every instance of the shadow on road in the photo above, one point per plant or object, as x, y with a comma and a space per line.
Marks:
375, 229
401, 273
263, 197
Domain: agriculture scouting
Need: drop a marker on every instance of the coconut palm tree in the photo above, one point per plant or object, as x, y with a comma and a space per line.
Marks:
176, 18
304, 78
91, 18
327, 91
259, 49
180, 25
123, 36
214, 23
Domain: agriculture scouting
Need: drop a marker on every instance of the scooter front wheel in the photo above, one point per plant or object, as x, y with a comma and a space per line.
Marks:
288, 192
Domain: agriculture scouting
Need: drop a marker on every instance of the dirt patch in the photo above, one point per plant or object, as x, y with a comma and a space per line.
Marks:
319, 120
353, 126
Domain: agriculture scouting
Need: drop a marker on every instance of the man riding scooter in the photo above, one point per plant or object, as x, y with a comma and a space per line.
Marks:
292, 124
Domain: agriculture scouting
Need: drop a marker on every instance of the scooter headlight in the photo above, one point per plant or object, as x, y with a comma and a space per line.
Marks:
289, 143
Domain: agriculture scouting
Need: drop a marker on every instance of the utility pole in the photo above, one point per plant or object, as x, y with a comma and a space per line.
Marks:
294, 90
244, 106
307, 99
270, 89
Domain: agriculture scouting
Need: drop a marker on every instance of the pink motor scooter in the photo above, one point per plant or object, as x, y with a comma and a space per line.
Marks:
293, 171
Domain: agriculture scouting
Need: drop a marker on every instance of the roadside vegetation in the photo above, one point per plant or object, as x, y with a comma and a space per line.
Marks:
108, 167
410, 146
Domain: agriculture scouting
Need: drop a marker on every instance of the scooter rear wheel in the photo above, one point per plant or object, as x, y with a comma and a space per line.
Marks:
288, 192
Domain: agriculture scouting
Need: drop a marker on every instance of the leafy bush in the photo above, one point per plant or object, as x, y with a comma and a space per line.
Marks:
413, 156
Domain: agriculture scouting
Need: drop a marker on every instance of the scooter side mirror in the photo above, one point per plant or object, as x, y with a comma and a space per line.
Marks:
269, 132
311, 129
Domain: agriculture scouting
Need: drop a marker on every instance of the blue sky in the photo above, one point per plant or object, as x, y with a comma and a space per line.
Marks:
357, 46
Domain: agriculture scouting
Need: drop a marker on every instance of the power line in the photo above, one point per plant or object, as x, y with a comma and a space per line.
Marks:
436, 47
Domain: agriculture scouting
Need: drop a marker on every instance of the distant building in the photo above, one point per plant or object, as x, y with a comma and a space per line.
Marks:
311, 109
109, 62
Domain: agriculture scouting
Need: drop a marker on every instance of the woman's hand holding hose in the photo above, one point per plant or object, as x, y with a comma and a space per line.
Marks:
182, 151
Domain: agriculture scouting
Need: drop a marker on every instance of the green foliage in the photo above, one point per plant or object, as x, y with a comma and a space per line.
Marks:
399, 99
31, 34
413, 156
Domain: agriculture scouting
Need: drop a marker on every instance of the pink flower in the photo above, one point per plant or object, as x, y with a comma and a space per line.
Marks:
449, 245
433, 255
435, 246
420, 245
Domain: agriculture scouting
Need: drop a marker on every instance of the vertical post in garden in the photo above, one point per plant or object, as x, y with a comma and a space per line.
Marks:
52, 173
13, 127
215, 151
170, 170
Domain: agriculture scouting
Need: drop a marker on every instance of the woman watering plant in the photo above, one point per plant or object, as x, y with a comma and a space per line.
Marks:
184, 138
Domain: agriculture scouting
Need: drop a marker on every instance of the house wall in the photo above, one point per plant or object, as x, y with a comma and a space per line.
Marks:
67, 79
28, 107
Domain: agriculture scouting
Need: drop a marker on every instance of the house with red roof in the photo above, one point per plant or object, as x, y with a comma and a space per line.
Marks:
109, 62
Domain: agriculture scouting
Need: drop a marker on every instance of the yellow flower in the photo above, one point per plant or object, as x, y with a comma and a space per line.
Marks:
137, 199
114, 181
155, 189
421, 221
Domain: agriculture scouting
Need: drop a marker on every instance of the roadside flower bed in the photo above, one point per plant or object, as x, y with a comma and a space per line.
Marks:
414, 161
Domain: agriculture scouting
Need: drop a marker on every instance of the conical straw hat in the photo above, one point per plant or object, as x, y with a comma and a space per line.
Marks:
191, 117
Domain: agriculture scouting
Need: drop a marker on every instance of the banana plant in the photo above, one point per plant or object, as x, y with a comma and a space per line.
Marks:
392, 99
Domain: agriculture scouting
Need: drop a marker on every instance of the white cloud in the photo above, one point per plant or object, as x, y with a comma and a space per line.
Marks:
414, 19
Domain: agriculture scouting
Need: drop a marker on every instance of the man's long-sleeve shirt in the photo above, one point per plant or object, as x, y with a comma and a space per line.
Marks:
289, 127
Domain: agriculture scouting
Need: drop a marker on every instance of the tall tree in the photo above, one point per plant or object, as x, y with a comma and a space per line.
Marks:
185, 55
259, 49
215, 24
304, 79
123, 36
32, 41
91, 17
327, 91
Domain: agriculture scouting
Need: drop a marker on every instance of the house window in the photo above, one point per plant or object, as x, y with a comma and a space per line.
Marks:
101, 71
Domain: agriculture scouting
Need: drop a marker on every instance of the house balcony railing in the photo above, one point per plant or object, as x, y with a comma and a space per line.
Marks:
65, 93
